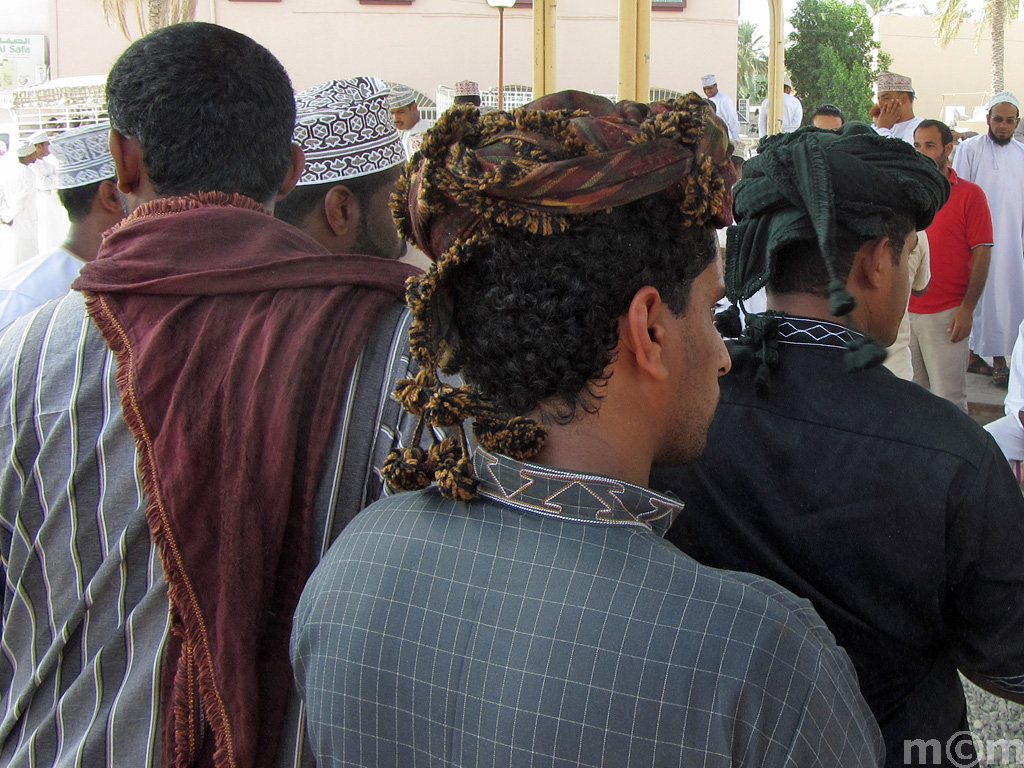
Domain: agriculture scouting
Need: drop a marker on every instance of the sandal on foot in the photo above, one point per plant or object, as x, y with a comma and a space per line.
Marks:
1001, 377
980, 366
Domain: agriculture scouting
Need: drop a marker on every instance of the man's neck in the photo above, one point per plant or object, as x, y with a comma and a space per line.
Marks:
809, 305
578, 447
83, 240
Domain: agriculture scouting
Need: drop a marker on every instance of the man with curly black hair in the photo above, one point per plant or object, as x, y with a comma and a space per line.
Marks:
887, 507
525, 610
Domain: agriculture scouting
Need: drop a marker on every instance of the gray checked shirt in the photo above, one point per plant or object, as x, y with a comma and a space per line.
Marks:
547, 623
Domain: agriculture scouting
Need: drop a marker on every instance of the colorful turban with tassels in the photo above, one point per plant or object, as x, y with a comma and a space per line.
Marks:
803, 185
543, 169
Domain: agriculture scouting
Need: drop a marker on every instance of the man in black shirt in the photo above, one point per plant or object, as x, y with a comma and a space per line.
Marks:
887, 507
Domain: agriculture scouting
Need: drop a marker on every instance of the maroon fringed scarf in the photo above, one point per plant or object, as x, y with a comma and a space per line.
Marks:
235, 336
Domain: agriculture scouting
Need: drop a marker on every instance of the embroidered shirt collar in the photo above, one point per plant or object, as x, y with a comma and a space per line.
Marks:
812, 332
565, 495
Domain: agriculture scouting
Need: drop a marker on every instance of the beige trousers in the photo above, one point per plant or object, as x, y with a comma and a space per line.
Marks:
938, 365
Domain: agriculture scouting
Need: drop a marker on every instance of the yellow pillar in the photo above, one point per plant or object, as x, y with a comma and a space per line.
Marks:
635, 50
776, 66
543, 47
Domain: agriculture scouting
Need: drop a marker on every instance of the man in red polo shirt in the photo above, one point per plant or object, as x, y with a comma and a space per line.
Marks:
961, 245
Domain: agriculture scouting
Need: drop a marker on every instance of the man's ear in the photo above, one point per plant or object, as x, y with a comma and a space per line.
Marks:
873, 263
642, 332
107, 201
127, 153
296, 162
342, 210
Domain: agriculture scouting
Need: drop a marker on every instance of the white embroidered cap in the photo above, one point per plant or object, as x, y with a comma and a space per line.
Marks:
345, 130
401, 96
83, 156
26, 149
890, 81
787, 80
467, 88
1004, 97
708, 80
39, 137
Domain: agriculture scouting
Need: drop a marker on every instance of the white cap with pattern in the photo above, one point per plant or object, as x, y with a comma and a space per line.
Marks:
708, 80
345, 130
401, 96
83, 155
467, 88
1004, 97
890, 81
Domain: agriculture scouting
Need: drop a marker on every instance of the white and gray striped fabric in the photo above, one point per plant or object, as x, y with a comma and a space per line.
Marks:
85, 612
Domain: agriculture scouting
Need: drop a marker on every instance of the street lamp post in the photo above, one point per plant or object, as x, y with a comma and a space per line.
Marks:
501, 5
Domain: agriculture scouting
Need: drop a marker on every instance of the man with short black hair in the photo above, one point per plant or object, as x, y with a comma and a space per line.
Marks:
353, 159
87, 189
961, 244
182, 440
828, 116
995, 162
888, 508
525, 611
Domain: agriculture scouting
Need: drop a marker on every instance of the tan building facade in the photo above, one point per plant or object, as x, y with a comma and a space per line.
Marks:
427, 43
958, 76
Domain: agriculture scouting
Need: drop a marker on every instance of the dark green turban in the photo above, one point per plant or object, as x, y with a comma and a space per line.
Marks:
802, 185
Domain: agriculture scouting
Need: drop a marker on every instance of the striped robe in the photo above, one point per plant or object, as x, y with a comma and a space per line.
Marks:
85, 610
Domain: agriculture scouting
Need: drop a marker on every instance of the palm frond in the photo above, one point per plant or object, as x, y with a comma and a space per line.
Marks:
114, 13
948, 17
149, 14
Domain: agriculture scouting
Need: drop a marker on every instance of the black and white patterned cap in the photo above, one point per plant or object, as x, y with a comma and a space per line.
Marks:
345, 130
83, 156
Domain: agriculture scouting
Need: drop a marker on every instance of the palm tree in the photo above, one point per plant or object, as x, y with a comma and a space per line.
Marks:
994, 13
149, 14
880, 7
751, 60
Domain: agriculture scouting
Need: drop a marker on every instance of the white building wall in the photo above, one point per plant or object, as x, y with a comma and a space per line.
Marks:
430, 42
961, 72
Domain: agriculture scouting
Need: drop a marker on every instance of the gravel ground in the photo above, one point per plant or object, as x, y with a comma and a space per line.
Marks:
991, 719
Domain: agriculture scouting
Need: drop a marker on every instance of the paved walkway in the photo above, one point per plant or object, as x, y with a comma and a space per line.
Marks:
992, 720
984, 401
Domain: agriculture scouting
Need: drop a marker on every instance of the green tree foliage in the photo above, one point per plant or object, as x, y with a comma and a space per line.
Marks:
751, 63
833, 57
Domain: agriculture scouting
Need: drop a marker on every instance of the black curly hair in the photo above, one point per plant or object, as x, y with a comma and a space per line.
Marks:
538, 318
542, 230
